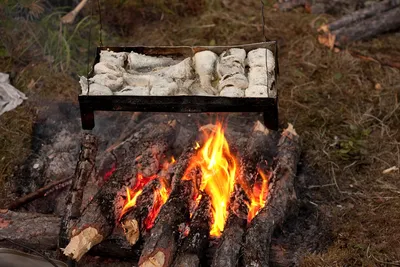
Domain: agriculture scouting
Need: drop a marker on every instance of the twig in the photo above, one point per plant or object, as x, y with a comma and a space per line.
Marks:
70, 17
38, 193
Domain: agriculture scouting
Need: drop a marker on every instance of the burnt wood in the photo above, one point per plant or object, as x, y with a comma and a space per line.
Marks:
84, 170
281, 200
162, 243
103, 211
260, 146
194, 245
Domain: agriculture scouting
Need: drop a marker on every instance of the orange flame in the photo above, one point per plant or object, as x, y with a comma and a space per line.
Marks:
132, 194
160, 197
218, 167
258, 196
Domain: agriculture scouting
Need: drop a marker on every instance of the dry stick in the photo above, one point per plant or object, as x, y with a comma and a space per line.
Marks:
195, 244
39, 193
84, 169
98, 220
41, 231
160, 248
365, 29
70, 17
373, 10
228, 250
281, 199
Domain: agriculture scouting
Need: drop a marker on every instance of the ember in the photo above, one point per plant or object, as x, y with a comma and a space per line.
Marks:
258, 196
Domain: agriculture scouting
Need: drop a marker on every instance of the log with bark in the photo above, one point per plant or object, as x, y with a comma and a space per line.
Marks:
194, 245
260, 146
159, 249
280, 203
99, 217
41, 232
84, 170
363, 24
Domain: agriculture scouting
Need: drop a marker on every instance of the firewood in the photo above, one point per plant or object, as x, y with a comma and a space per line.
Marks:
41, 232
84, 169
98, 219
160, 248
281, 199
371, 11
260, 144
362, 30
193, 248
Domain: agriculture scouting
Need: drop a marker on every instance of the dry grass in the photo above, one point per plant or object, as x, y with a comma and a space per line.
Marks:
349, 128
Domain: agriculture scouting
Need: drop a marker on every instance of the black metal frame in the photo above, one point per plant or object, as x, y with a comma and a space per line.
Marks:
194, 104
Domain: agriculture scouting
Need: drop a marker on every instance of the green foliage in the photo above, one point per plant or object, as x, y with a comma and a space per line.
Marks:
352, 146
64, 47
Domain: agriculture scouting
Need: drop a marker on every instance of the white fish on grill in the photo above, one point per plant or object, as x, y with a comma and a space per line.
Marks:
261, 57
231, 61
182, 70
237, 80
115, 58
204, 64
111, 81
94, 88
162, 86
256, 91
108, 68
144, 63
134, 90
231, 91
137, 80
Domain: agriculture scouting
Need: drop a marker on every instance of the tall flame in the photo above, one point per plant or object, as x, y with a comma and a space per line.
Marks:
258, 196
218, 167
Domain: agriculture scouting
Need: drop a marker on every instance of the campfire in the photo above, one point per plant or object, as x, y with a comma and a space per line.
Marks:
215, 202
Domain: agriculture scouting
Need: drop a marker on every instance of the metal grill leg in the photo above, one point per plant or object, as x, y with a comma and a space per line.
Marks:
271, 120
87, 118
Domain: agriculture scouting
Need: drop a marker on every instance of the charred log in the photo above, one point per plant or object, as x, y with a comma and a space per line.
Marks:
41, 232
194, 245
281, 199
84, 169
98, 219
160, 248
260, 146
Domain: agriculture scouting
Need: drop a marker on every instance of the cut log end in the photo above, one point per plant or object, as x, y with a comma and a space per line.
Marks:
131, 230
157, 260
327, 39
290, 130
82, 243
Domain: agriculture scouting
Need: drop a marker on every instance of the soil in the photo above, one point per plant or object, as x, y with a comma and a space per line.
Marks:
346, 110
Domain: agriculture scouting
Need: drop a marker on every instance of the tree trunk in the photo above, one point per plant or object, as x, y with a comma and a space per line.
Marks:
281, 200
195, 244
98, 219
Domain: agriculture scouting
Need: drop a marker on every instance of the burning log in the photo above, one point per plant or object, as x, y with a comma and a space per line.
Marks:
362, 24
84, 169
160, 248
281, 199
258, 146
98, 220
194, 245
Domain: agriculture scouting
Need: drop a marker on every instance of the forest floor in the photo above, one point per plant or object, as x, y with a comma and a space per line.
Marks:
347, 110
